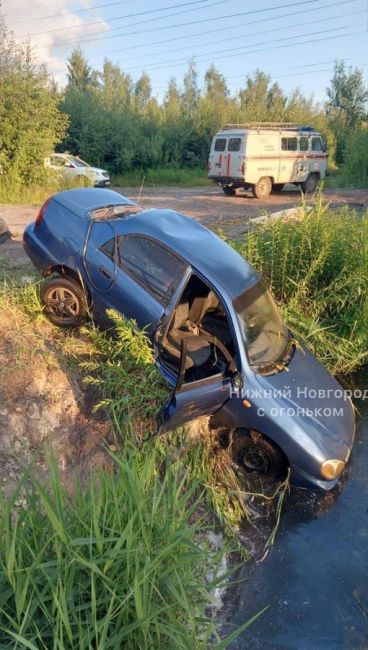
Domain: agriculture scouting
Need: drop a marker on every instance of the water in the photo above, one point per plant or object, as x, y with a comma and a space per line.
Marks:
315, 579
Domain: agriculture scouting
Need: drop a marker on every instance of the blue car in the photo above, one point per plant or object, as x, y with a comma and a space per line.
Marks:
218, 337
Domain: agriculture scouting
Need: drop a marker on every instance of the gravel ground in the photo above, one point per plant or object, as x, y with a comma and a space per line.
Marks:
208, 204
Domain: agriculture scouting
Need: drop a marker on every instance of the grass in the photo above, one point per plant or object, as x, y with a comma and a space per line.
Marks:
162, 176
12, 191
119, 564
317, 267
125, 561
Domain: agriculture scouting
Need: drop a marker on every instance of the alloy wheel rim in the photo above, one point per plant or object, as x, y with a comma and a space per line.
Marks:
63, 303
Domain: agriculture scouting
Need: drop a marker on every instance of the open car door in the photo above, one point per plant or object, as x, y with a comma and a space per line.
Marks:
198, 397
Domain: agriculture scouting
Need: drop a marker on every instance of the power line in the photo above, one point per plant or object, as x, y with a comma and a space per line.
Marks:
266, 49
190, 23
223, 52
246, 24
140, 13
248, 35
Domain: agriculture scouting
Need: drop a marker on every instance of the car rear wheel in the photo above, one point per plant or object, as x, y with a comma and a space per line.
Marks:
64, 302
262, 188
257, 454
310, 184
229, 190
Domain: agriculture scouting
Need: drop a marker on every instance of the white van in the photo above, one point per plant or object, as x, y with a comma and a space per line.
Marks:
264, 156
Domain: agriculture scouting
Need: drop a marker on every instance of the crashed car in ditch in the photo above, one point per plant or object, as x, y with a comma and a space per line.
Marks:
218, 337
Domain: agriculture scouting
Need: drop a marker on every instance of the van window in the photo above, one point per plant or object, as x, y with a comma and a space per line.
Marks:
303, 144
316, 144
152, 265
220, 144
289, 144
234, 144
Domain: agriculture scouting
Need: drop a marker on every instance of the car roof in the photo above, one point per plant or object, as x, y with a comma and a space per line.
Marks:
204, 250
82, 201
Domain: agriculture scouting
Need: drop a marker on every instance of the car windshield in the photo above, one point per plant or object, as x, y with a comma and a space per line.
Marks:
264, 334
78, 162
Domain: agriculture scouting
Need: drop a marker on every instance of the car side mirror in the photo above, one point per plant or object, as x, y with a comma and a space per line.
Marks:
68, 164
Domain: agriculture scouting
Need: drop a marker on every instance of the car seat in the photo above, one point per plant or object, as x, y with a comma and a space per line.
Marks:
181, 327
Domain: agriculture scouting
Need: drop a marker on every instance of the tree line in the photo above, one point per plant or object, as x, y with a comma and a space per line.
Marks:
115, 122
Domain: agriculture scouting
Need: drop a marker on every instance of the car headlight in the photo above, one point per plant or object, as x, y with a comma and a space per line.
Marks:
331, 469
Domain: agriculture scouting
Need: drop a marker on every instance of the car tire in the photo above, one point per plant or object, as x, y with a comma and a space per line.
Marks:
262, 188
310, 184
257, 454
229, 190
278, 187
64, 302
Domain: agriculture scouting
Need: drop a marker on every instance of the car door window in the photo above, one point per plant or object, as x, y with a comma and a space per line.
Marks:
303, 144
152, 265
109, 248
57, 162
316, 144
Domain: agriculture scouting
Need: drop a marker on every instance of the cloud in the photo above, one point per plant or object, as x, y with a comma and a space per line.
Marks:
25, 18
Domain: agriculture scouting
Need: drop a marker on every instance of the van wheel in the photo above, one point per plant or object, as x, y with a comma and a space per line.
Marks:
310, 184
229, 190
278, 187
64, 302
262, 188
257, 454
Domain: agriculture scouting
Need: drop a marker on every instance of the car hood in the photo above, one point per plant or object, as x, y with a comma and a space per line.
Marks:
314, 399
97, 170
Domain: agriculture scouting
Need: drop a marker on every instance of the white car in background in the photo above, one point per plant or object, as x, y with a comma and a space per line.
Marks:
73, 167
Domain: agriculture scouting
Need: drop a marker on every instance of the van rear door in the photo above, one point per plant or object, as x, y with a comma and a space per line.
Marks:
235, 157
218, 157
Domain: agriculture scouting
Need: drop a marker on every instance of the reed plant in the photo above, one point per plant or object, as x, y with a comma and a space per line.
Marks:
317, 268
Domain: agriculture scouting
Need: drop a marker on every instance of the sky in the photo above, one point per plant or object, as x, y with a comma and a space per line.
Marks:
295, 42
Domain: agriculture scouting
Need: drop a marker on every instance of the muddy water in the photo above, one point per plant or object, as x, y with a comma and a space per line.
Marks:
315, 579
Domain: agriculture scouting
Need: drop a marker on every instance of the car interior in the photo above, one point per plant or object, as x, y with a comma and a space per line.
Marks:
199, 313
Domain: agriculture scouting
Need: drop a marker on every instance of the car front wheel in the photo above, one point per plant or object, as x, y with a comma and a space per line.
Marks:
64, 302
310, 184
257, 454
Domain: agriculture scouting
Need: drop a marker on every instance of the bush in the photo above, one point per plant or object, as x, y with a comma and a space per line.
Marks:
317, 267
355, 168
31, 122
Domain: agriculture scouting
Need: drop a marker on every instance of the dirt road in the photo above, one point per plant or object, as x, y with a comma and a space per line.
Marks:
208, 204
